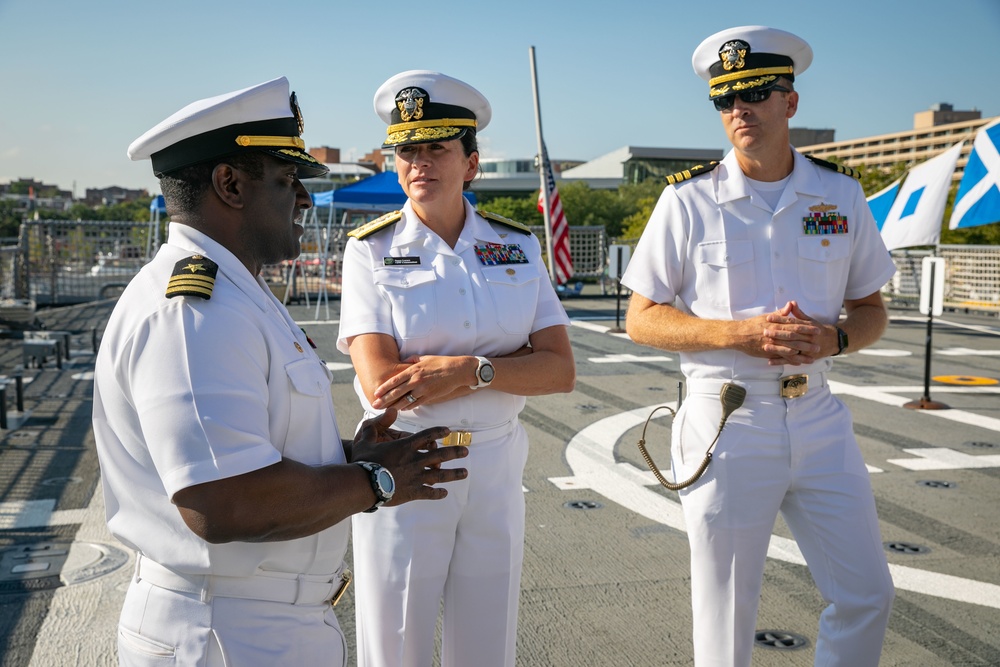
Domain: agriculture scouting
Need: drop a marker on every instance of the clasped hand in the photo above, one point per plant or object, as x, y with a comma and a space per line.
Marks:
424, 380
790, 336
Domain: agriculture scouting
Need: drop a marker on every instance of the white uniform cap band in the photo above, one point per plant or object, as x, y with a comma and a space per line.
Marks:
436, 117
260, 117
763, 42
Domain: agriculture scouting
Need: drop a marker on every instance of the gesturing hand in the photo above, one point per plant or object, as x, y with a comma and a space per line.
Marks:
413, 459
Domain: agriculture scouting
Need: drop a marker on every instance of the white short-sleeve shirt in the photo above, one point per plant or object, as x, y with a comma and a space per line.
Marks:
188, 391
483, 297
715, 249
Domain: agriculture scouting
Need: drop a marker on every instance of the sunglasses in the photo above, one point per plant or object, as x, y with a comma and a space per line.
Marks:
749, 96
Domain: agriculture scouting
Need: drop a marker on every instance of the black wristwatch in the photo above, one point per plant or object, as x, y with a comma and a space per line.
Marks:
841, 341
382, 481
484, 373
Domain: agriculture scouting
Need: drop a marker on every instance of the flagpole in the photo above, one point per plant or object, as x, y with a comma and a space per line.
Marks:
546, 212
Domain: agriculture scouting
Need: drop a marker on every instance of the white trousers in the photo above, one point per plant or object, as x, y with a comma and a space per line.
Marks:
466, 550
798, 457
160, 627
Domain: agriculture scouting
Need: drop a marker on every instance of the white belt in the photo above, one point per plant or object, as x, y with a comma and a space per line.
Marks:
465, 438
790, 386
301, 589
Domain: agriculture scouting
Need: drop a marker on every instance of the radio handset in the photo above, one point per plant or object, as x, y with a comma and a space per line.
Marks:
732, 396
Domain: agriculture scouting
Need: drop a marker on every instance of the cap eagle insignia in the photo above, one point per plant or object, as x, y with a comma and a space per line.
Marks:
294, 103
733, 55
410, 102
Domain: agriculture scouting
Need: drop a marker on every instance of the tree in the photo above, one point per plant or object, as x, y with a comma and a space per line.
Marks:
587, 207
523, 210
643, 198
132, 211
616, 210
10, 219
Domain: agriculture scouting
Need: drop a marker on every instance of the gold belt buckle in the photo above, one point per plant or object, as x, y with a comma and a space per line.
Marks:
345, 583
456, 438
794, 386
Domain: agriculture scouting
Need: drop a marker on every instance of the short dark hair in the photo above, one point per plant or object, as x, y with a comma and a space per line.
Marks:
469, 142
184, 188
470, 145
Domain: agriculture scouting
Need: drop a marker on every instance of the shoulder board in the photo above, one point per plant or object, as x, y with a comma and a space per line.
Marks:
833, 166
375, 225
682, 176
506, 221
194, 276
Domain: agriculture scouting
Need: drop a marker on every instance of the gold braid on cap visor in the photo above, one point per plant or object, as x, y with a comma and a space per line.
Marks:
440, 128
298, 154
764, 74
271, 142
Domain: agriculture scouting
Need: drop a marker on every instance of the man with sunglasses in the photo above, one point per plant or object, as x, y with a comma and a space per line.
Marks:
743, 269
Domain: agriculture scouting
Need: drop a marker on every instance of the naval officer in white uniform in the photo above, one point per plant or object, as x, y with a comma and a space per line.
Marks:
744, 268
449, 316
221, 462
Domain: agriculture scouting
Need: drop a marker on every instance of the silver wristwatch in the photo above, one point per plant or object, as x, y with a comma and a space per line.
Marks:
382, 481
484, 373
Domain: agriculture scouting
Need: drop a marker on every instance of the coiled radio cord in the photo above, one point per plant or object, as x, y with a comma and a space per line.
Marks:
732, 396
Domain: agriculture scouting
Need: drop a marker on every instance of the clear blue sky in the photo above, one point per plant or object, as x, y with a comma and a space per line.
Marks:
80, 80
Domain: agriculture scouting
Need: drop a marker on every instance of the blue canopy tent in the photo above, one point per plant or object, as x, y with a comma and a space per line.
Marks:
157, 207
381, 192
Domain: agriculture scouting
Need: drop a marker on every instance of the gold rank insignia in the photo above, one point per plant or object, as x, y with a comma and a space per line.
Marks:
507, 222
194, 276
833, 166
682, 176
375, 225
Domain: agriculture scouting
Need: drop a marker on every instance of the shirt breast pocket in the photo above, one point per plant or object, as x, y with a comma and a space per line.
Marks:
311, 436
411, 296
514, 289
730, 279
823, 263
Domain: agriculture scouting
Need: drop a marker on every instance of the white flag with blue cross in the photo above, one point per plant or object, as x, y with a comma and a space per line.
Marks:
978, 198
916, 215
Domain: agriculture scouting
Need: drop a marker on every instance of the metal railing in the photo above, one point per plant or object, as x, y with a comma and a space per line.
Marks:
308, 276
972, 278
65, 262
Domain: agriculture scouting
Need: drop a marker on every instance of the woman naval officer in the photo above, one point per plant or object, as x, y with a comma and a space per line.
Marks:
449, 317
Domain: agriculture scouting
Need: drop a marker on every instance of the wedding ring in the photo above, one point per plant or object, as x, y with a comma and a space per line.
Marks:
410, 398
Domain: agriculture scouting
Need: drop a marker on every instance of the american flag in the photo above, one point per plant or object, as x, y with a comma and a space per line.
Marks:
560, 228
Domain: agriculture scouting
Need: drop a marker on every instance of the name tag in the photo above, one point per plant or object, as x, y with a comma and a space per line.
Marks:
401, 261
